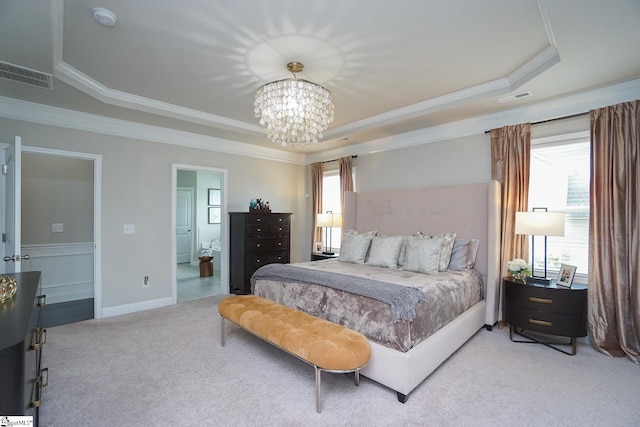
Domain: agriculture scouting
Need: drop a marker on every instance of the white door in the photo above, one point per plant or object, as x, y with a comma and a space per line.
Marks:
11, 170
184, 239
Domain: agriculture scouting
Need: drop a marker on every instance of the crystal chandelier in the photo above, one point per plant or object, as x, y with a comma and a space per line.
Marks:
294, 111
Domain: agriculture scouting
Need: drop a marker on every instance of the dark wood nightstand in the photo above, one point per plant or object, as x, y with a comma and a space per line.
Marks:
318, 256
545, 309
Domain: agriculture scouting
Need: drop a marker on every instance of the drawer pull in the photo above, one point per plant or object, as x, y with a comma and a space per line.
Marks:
541, 300
44, 373
259, 230
258, 219
36, 392
257, 245
280, 219
279, 243
257, 261
540, 322
40, 338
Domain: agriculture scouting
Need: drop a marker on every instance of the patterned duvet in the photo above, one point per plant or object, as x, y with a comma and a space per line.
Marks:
448, 294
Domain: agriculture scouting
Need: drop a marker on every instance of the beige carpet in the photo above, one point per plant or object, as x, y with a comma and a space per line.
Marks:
165, 367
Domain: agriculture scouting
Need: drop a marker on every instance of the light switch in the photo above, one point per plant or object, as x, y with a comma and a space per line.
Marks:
57, 227
129, 229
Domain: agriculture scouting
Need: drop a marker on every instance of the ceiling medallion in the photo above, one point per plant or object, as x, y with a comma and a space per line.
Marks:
294, 111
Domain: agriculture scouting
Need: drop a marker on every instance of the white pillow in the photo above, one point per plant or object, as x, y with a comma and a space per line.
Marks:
423, 255
355, 246
384, 251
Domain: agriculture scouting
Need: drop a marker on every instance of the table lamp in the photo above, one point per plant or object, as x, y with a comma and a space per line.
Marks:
539, 222
328, 220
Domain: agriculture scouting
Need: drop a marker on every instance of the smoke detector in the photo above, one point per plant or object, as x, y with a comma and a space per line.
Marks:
104, 17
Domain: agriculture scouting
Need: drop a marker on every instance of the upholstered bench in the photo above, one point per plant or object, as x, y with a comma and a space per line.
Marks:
327, 346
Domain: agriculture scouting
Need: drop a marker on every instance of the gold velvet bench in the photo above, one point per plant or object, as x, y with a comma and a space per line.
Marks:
327, 346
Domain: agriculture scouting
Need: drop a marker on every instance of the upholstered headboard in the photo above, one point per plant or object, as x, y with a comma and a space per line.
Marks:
472, 211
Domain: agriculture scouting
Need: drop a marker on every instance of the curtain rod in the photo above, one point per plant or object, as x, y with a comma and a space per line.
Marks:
554, 119
329, 161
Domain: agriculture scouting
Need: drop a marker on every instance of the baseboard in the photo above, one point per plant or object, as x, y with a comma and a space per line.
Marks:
135, 307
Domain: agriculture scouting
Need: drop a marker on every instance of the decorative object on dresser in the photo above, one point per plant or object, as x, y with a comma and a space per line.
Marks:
547, 310
539, 222
21, 343
328, 220
259, 206
256, 239
8, 288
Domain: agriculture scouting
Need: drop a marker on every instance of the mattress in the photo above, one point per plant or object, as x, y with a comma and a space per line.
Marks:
448, 294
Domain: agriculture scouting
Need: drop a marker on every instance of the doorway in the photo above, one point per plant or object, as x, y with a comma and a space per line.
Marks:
200, 232
63, 241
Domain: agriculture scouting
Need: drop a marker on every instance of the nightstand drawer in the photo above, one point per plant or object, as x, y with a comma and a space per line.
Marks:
565, 325
539, 298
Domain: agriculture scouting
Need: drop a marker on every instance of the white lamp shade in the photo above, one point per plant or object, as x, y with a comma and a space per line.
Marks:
329, 220
540, 223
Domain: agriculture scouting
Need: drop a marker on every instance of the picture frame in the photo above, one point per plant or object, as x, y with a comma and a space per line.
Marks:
214, 215
214, 197
566, 274
318, 247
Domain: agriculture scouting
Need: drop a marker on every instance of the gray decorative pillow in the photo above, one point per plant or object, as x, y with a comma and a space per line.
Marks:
403, 250
447, 240
384, 251
355, 246
423, 255
463, 255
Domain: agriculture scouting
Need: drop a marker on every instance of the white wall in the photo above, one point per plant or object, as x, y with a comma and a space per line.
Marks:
136, 189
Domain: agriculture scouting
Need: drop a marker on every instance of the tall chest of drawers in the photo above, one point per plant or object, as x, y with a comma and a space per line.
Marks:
256, 239
22, 376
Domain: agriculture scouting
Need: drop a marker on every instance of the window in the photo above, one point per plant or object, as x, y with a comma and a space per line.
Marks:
331, 202
559, 181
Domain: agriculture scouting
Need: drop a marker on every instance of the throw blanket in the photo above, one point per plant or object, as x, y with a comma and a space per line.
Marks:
402, 299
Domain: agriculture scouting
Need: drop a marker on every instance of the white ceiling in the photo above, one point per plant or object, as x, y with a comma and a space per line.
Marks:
392, 66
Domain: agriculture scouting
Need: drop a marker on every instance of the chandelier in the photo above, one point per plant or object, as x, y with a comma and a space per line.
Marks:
294, 111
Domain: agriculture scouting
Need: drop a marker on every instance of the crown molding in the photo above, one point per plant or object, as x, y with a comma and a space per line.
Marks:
557, 108
55, 116
560, 107
86, 84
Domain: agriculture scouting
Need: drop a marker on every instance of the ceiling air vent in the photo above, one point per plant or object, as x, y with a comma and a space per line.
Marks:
514, 97
25, 75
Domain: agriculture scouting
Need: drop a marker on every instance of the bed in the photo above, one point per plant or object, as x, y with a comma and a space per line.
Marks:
405, 350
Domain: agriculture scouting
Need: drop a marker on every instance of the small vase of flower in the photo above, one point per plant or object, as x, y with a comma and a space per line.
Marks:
519, 269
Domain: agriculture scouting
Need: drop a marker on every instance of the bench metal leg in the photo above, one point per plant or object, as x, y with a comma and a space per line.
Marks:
222, 331
357, 379
318, 404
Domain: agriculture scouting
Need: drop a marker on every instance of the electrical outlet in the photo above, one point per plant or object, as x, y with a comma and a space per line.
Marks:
145, 282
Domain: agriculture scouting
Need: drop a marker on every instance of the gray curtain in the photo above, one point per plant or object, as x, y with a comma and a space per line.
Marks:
614, 231
316, 200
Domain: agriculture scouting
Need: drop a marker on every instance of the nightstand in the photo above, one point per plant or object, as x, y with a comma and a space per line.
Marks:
318, 256
545, 309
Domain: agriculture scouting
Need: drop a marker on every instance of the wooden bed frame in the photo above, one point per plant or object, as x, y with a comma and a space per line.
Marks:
472, 211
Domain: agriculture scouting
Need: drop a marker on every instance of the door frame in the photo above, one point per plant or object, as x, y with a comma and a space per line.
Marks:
97, 215
224, 226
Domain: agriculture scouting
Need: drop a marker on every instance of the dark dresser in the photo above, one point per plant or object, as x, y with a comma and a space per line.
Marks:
22, 377
256, 239
545, 309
